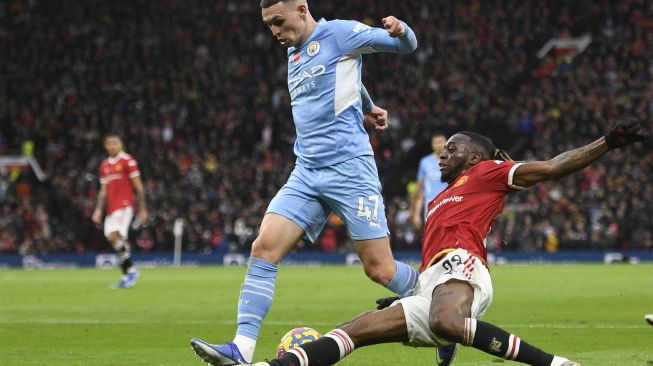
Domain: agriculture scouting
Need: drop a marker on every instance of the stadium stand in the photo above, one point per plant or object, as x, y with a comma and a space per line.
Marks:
197, 90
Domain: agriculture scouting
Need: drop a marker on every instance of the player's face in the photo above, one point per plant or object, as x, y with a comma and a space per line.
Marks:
113, 145
437, 144
455, 158
287, 22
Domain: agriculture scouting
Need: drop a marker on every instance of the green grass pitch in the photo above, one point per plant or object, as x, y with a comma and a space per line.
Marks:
590, 313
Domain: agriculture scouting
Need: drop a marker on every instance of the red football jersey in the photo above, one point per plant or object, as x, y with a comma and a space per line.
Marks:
117, 173
462, 214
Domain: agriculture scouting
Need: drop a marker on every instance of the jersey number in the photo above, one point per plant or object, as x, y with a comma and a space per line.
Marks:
363, 209
448, 264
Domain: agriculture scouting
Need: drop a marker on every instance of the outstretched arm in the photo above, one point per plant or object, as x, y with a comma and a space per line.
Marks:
402, 32
358, 38
572, 161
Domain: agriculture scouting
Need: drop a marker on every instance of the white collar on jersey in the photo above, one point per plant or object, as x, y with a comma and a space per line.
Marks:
115, 159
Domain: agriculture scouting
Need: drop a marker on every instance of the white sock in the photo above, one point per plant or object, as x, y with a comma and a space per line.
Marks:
558, 361
246, 346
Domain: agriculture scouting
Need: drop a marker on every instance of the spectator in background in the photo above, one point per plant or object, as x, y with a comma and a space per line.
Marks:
76, 70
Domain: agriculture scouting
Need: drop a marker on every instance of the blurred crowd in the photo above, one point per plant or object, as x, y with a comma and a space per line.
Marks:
198, 91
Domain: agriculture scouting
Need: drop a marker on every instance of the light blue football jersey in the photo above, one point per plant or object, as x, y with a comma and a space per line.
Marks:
324, 80
429, 173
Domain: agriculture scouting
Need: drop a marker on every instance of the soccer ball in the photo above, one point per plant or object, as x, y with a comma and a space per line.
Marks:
296, 337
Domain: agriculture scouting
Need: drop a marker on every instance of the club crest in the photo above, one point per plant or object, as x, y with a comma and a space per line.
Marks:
313, 48
461, 181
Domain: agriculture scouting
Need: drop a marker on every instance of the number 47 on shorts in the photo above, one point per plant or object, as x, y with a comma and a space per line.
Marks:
364, 209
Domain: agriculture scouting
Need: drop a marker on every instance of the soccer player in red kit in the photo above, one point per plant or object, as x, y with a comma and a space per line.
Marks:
119, 179
454, 288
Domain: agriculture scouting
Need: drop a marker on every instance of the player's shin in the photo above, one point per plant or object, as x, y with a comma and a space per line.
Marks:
256, 296
331, 348
123, 249
404, 280
496, 341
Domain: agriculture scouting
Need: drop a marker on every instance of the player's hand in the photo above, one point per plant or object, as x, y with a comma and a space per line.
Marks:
97, 217
143, 215
625, 134
376, 118
394, 26
385, 302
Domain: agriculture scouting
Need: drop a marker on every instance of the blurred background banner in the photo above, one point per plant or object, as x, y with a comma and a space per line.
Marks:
106, 261
206, 113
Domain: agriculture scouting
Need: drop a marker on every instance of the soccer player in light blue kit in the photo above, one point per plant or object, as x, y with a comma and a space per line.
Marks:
429, 183
335, 170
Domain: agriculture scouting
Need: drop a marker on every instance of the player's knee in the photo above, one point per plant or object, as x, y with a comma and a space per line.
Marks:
114, 238
378, 274
266, 250
447, 327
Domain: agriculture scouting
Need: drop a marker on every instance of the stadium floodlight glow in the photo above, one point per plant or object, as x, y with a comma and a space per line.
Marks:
178, 232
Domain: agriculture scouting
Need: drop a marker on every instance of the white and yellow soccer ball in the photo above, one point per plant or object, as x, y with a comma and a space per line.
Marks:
296, 337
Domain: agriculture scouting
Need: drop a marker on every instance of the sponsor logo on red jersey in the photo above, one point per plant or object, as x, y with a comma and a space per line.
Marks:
117, 173
462, 214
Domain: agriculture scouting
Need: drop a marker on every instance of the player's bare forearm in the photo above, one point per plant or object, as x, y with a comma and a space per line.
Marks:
577, 159
101, 198
141, 199
418, 196
417, 203
99, 206
562, 165
137, 184
572, 161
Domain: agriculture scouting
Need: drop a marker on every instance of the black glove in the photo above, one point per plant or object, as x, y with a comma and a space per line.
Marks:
385, 302
625, 134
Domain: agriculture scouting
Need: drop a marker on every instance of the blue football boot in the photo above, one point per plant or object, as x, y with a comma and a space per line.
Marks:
128, 280
226, 354
131, 278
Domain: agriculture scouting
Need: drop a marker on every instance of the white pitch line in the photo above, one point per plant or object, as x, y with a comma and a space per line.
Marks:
300, 322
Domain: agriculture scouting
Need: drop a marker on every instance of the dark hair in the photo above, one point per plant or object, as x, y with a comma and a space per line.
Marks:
111, 135
489, 151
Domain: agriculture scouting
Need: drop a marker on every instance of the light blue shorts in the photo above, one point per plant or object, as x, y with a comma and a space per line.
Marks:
350, 189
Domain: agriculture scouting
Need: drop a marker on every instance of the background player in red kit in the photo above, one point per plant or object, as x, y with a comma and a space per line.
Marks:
119, 179
454, 288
